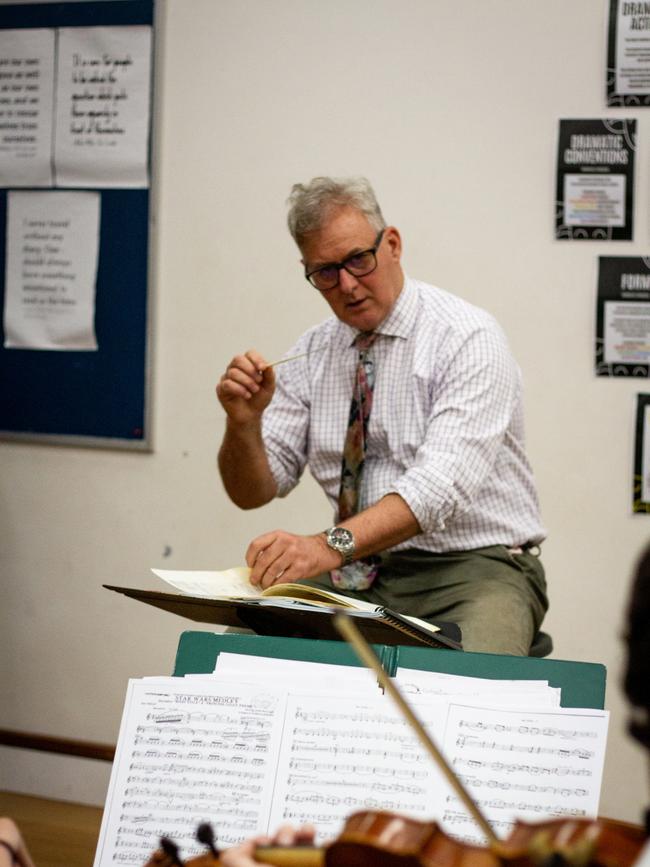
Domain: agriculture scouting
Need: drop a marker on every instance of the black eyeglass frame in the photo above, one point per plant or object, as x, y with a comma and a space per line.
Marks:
343, 264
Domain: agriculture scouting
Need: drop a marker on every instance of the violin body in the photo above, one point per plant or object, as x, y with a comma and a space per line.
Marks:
387, 839
382, 839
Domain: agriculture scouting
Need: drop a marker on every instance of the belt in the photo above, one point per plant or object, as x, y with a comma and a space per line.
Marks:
531, 547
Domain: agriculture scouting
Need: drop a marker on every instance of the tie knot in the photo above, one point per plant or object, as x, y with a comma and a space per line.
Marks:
364, 340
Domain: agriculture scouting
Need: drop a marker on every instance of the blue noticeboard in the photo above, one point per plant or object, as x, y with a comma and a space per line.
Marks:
96, 398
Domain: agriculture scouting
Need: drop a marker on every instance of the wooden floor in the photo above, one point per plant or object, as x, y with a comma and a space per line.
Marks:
58, 834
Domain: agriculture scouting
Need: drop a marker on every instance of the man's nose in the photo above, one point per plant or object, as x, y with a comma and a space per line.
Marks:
347, 282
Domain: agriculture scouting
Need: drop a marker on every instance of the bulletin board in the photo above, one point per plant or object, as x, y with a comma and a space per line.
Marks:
101, 397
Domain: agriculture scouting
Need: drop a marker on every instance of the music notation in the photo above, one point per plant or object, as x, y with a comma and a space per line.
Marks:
518, 768
558, 777
247, 759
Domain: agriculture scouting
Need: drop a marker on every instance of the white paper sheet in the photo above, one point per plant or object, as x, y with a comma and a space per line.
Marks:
518, 764
353, 755
626, 332
26, 89
231, 582
51, 270
594, 200
294, 673
533, 693
103, 106
189, 752
248, 757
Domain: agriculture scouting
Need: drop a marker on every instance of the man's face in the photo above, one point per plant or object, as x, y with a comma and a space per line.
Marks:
361, 302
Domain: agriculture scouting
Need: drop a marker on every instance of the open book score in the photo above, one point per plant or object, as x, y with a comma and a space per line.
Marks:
294, 610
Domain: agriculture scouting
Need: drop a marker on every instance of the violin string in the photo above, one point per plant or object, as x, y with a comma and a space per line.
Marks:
352, 635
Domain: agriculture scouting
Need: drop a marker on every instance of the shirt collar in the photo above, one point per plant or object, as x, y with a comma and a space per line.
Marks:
400, 321
403, 315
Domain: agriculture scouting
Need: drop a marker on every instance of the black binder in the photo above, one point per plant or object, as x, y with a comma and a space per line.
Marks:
267, 617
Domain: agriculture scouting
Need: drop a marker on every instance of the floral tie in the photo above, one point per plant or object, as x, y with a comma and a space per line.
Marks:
360, 574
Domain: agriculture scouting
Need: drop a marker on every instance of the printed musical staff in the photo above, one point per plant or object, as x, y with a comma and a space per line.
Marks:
247, 759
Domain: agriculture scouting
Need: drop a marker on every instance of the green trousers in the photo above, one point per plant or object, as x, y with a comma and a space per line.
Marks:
496, 596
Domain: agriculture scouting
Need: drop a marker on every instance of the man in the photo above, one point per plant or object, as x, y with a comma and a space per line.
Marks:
436, 513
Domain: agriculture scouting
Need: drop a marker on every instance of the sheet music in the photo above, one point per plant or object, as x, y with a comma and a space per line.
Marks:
515, 693
354, 755
250, 756
212, 585
413, 681
525, 765
190, 752
296, 672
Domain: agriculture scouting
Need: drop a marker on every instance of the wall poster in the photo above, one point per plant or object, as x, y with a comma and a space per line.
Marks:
595, 180
641, 484
623, 316
628, 53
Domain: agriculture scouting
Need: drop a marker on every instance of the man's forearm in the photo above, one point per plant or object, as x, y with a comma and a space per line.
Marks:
282, 556
387, 523
244, 467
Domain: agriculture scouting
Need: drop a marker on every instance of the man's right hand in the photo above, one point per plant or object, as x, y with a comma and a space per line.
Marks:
246, 388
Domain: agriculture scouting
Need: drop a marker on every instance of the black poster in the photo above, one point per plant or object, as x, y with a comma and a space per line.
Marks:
623, 316
641, 484
628, 53
595, 180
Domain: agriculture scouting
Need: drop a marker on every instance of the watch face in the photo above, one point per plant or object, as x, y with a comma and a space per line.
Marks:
341, 537
341, 540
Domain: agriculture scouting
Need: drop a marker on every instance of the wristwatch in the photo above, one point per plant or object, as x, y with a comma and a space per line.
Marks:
341, 540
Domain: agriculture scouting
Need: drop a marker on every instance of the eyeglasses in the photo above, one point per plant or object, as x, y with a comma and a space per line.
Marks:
358, 264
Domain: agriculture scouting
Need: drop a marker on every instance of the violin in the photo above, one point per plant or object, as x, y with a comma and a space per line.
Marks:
386, 839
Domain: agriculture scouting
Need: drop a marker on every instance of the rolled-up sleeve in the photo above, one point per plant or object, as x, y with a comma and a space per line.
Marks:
475, 392
285, 424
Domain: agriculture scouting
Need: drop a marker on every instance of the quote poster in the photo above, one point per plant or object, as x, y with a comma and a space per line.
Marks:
595, 180
26, 90
623, 316
628, 53
103, 100
51, 270
641, 484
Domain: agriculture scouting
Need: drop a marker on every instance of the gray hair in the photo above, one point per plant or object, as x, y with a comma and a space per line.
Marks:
311, 204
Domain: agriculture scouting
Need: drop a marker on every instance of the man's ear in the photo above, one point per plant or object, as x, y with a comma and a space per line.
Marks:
394, 241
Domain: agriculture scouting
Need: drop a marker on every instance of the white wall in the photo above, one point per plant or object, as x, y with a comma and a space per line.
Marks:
451, 109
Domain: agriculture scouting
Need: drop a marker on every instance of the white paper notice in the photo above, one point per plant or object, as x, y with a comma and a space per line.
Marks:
52, 249
627, 332
594, 200
103, 106
26, 76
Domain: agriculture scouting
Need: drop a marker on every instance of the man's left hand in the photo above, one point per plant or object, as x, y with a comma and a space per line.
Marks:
280, 557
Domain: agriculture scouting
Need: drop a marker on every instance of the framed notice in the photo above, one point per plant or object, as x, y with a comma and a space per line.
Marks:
623, 316
628, 53
641, 483
595, 180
